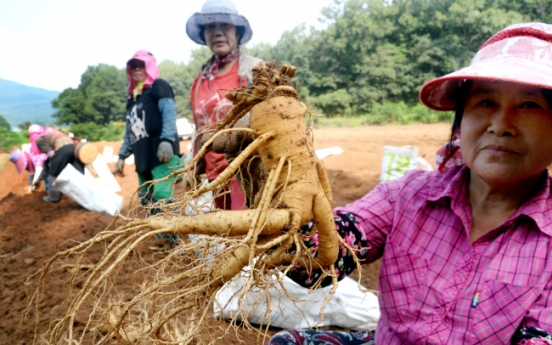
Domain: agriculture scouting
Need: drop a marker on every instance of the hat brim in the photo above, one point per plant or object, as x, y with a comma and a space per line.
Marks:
198, 19
134, 60
441, 93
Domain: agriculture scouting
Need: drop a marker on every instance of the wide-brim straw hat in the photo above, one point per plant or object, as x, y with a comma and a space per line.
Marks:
223, 11
521, 53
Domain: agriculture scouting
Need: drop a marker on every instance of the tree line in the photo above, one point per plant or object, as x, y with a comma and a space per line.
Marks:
371, 52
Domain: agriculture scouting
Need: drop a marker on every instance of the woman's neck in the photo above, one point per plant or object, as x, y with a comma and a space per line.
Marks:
222, 70
493, 205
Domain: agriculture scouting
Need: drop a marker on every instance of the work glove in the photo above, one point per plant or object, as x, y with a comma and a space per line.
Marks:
251, 174
165, 152
36, 176
230, 143
119, 167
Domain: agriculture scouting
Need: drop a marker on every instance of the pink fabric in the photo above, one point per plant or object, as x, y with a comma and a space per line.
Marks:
521, 53
52, 130
235, 200
29, 159
39, 159
431, 273
19, 159
211, 106
449, 157
34, 132
216, 62
151, 69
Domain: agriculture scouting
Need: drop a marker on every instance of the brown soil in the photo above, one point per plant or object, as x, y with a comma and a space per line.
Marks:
31, 231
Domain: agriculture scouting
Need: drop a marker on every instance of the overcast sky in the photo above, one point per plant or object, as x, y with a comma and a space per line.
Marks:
49, 43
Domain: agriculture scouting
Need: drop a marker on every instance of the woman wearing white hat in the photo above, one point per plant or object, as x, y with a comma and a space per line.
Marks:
466, 251
220, 27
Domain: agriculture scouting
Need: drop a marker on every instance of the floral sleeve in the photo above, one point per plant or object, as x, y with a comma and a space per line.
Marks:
531, 336
347, 226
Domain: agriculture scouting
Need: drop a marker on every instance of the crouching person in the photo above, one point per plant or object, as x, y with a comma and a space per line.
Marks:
61, 151
24, 161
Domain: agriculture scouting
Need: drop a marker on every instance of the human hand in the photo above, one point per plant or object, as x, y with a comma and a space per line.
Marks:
190, 181
165, 152
230, 143
119, 167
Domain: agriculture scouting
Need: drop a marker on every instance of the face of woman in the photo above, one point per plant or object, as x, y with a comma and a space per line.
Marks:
506, 132
220, 38
138, 71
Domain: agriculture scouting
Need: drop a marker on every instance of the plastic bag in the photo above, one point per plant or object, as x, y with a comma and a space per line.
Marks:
86, 193
348, 308
329, 151
204, 203
398, 160
105, 176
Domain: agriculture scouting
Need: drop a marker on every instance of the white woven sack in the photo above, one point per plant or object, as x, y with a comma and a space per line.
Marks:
348, 308
83, 191
398, 160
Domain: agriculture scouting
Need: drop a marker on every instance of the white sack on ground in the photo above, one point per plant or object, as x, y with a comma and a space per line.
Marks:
86, 193
108, 154
323, 153
349, 307
205, 204
105, 176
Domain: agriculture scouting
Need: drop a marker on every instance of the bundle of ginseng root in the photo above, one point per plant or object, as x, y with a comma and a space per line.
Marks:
175, 300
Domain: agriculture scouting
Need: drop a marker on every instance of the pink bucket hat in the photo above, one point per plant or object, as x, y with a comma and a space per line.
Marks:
520, 53
33, 128
18, 158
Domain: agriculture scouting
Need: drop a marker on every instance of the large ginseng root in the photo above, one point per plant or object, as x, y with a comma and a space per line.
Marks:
175, 300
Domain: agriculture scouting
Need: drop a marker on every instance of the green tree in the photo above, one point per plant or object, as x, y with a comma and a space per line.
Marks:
99, 98
24, 125
8, 138
4, 124
370, 52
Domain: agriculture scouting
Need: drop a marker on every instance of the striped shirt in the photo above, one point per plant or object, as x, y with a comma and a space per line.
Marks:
439, 288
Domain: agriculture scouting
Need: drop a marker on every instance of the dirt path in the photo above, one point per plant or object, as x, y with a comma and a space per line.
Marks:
31, 231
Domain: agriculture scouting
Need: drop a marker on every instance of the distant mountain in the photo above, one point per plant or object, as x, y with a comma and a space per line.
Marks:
20, 103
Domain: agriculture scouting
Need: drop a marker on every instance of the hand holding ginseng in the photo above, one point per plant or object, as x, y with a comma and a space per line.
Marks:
230, 143
291, 189
251, 174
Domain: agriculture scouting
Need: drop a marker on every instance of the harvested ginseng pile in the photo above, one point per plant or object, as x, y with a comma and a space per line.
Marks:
175, 300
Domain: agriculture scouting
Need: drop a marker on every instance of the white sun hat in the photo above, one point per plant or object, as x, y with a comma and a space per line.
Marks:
223, 11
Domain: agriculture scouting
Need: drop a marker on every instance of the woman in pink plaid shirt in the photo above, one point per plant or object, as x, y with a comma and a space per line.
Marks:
466, 251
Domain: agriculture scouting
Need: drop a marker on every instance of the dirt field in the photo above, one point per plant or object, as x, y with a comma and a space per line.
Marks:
31, 231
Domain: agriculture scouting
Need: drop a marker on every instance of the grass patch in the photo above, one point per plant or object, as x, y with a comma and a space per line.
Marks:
387, 113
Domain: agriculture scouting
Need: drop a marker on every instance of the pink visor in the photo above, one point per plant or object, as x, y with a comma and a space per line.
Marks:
521, 53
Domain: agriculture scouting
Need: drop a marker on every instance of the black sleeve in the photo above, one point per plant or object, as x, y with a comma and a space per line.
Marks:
161, 89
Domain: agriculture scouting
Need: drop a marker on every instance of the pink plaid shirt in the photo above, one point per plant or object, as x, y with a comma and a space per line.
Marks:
437, 287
